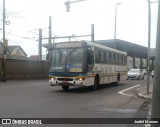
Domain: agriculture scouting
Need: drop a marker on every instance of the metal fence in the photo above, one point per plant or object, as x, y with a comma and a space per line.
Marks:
24, 69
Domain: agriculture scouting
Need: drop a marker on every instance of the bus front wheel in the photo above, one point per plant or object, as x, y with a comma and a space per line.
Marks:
65, 88
118, 79
96, 83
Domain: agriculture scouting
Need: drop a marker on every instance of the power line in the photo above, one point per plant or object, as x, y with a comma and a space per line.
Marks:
15, 41
27, 38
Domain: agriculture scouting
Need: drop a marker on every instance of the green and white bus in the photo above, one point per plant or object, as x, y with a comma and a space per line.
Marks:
82, 63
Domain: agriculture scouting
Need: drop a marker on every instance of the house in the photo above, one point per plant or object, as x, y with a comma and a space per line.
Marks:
16, 52
1, 50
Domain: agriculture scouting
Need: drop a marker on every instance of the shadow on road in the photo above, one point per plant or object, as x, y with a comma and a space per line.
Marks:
89, 88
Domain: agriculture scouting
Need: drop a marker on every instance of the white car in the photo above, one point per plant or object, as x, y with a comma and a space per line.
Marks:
135, 74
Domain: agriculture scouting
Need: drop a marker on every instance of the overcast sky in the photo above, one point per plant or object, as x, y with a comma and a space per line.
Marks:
27, 16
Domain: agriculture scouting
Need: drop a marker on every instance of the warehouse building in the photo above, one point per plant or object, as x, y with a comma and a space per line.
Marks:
137, 54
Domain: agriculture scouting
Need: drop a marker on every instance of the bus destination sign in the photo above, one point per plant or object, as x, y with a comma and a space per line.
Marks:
68, 44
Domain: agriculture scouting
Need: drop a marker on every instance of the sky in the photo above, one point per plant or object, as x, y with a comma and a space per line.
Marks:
28, 16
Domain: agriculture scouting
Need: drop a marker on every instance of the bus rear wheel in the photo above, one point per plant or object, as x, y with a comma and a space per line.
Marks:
65, 88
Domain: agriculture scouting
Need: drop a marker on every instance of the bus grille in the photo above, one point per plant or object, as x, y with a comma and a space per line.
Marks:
65, 79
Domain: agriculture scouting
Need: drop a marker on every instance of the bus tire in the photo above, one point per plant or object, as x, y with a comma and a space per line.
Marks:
118, 79
96, 83
65, 88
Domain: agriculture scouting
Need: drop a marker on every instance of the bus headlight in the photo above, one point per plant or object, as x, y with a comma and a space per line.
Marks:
80, 79
52, 78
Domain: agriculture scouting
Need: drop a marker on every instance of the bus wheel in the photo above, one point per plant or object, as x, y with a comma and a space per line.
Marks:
118, 79
96, 83
65, 88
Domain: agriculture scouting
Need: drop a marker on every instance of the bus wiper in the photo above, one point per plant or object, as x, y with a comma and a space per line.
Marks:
72, 51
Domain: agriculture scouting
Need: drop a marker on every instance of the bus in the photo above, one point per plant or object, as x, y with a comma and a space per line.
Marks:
84, 63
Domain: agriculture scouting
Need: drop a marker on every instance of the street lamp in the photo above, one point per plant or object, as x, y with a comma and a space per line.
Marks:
4, 48
149, 39
115, 27
67, 3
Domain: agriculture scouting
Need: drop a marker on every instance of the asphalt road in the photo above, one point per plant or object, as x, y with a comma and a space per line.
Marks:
36, 99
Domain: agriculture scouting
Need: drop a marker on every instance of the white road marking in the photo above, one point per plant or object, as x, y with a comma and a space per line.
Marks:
122, 91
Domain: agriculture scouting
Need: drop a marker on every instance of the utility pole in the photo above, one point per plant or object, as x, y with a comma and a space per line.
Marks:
92, 33
156, 80
115, 26
4, 48
149, 34
40, 45
50, 39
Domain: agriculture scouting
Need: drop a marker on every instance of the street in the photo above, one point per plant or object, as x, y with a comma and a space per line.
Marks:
36, 99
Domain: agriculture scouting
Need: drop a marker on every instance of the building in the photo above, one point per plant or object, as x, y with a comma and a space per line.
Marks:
13, 52
137, 54
1, 50
16, 52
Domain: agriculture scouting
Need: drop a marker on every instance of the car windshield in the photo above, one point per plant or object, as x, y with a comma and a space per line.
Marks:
134, 71
67, 60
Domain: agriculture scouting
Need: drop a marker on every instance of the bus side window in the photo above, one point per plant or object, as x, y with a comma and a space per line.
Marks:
110, 58
125, 58
103, 57
90, 57
120, 60
107, 57
113, 58
97, 55
116, 59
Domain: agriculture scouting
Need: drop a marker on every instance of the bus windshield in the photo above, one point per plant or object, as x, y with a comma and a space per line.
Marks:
67, 60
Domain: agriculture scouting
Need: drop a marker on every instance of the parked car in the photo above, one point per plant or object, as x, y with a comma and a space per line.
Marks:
135, 74
152, 73
144, 71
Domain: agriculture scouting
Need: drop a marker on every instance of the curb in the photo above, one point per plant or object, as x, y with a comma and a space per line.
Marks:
142, 95
142, 92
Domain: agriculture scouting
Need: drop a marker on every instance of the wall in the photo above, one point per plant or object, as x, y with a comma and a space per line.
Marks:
25, 69
137, 62
129, 62
144, 62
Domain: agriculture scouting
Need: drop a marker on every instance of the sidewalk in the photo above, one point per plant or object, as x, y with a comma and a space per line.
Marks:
143, 94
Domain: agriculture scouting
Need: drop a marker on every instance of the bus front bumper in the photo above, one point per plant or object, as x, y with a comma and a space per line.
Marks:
66, 82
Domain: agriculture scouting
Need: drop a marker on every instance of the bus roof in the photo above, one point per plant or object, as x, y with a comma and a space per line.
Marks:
62, 45
105, 47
